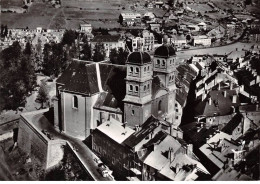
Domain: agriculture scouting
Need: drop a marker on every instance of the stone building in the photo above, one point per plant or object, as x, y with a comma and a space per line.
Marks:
88, 94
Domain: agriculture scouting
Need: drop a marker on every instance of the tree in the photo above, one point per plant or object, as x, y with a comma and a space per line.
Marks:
68, 37
122, 56
43, 95
55, 59
113, 55
17, 76
171, 3
99, 52
86, 51
28, 49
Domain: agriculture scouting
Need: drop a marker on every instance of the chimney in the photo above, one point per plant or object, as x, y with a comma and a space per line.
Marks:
234, 99
170, 155
177, 167
189, 150
203, 96
225, 94
210, 101
231, 85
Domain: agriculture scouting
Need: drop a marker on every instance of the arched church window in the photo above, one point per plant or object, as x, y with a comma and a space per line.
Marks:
130, 88
75, 102
163, 63
148, 68
131, 69
148, 86
160, 106
136, 88
137, 70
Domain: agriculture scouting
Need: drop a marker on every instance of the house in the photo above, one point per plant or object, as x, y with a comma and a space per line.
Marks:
130, 18
220, 149
86, 28
179, 40
148, 41
155, 27
202, 26
149, 17
201, 40
109, 42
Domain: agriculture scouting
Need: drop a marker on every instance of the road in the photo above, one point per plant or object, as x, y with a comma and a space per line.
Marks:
216, 50
84, 153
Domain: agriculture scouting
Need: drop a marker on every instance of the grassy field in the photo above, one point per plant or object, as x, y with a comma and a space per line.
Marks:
100, 13
11, 3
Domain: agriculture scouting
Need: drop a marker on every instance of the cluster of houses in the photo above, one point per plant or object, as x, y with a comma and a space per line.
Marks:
23, 35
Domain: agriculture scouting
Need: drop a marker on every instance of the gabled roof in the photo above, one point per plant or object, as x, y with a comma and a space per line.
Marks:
79, 77
146, 128
220, 104
232, 124
115, 130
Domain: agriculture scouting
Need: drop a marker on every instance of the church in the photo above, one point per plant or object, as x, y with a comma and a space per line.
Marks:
88, 93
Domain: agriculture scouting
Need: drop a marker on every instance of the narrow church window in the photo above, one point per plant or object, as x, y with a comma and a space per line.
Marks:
133, 112
158, 61
148, 68
130, 88
170, 78
136, 88
160, 106
148, 86
75, 101
144, 69
137, 70
144, 88
163, 63
131, 69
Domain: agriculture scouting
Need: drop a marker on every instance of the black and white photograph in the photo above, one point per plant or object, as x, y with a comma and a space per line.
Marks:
130, 90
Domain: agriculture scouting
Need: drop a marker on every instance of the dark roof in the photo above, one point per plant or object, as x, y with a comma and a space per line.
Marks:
79, 77
146, 128
165, 51
198, 138
113, 81
232, 124
108, 102
181, 96
220, 104
106, 38
139, 58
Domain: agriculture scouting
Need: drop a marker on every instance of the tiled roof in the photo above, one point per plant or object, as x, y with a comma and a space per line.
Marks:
232, 124
165, 51
146, 129
220, 104
79, 77
139, 58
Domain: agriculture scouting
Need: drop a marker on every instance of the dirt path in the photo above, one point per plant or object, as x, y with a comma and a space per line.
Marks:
53, 17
